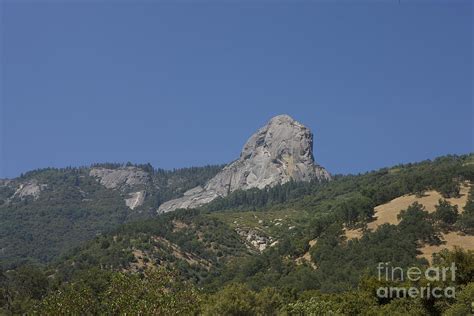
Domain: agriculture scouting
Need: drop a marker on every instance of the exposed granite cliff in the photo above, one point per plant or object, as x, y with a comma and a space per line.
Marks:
124, 179
30, 188
120, 177
278, 152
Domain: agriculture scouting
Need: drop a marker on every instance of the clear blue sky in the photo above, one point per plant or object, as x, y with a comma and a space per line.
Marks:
378, 82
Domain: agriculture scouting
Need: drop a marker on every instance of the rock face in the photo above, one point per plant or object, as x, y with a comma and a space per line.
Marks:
136, 199
124, 179
278, 152
30, 188
120, 177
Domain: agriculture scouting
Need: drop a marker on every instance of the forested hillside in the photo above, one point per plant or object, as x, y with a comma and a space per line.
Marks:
48, 211
281, 250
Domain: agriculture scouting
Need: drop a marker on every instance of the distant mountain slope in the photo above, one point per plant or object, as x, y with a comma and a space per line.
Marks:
287, 241
257, 236
47, 211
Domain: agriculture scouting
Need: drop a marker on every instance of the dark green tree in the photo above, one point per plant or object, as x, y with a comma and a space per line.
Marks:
446, 214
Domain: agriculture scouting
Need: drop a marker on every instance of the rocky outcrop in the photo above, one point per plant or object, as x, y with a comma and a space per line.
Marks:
279, 152
254, 239
120, 177
30, 188
135, 200
124, 179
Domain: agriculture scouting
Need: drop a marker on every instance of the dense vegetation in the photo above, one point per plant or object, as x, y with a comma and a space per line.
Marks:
216, 270
194, 245
74, 207
162, 292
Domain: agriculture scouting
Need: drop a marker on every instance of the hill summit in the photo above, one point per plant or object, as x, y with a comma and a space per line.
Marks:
280, 151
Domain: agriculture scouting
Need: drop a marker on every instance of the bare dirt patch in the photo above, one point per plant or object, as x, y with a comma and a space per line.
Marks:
353, 233
307, 256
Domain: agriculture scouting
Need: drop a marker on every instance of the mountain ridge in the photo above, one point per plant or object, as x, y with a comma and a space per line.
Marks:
253, 237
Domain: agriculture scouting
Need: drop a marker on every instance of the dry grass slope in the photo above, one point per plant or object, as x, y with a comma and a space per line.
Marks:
388, 212
451, 239
353, 233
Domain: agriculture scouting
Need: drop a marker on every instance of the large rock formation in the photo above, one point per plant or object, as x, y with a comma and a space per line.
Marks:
120, 177
29, 188
278, 152
124, 179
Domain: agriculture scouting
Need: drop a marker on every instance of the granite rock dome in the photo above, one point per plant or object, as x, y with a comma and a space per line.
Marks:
280, 151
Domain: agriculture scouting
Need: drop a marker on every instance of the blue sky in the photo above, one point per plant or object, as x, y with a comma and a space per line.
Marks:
378, 82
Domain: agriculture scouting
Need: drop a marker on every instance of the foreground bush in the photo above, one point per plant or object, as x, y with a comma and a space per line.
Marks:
157, 292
